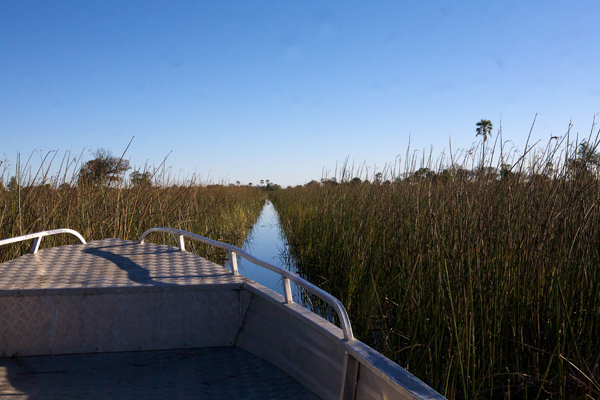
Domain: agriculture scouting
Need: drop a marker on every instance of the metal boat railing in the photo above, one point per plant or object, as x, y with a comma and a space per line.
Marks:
234, 251
285, 274
38, 238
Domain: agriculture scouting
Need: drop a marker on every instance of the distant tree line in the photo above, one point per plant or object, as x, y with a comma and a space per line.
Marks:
104, 169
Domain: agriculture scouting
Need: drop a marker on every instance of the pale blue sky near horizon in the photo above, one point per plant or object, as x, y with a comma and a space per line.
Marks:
239, 90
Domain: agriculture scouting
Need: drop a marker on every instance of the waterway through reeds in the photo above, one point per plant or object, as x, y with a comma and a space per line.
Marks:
267, 242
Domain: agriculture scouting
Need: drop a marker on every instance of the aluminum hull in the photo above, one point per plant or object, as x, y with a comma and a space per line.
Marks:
123, 298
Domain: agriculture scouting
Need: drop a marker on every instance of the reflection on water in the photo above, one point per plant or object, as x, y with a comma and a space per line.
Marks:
267, 242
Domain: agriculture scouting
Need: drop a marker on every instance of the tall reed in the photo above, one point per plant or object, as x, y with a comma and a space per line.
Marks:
35, 202
482, 282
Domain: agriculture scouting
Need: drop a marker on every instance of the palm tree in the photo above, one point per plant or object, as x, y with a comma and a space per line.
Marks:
484, 128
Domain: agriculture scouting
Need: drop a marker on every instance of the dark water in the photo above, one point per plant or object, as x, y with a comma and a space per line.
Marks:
267, 242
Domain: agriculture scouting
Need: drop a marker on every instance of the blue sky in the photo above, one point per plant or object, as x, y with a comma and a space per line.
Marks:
282, 90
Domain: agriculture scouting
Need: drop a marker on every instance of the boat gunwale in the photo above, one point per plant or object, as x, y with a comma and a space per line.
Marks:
375, 362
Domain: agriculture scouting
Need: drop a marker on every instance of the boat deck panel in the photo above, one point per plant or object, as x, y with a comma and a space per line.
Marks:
115, 295
109, 264
207, 373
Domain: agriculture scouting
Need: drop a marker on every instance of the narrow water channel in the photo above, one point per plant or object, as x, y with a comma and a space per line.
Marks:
266, 241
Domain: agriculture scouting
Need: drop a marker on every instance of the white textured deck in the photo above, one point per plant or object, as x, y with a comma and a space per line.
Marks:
115, 295
109, 264
116, 319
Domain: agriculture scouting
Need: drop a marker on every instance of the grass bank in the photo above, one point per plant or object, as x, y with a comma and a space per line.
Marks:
482, 281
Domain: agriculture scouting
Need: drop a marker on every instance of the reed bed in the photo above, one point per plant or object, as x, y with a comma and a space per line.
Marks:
124, 210
482, 281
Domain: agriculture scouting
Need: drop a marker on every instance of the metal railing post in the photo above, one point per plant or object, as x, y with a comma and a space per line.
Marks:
36, 245
181, 243
234, 266
287, 290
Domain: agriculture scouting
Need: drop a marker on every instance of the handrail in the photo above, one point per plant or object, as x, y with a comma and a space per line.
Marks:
286, 275
38, 238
